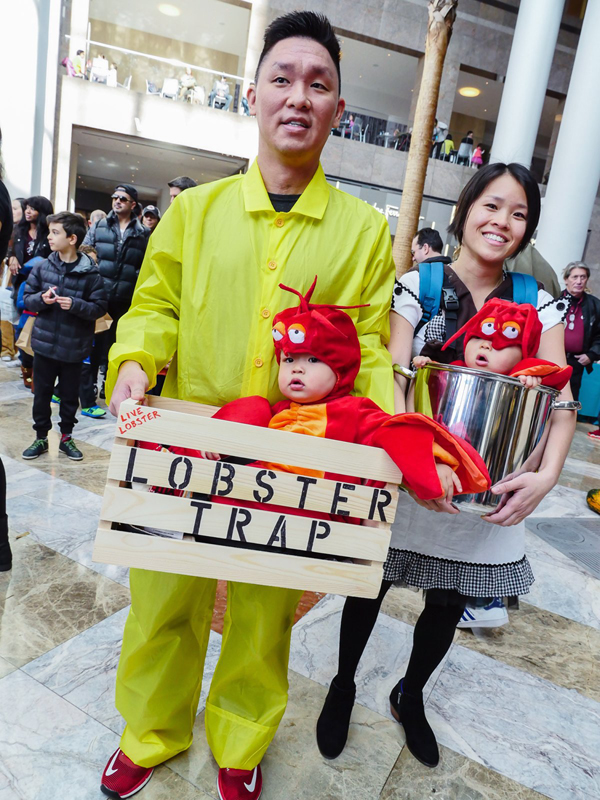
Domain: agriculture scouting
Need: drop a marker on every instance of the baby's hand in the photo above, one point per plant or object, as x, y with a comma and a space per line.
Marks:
449, 480
210, 456
530, 381
420, 361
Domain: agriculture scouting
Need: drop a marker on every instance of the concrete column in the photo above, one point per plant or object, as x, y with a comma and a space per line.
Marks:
449, 82
527, 76
575, 173
80, 18
554, 135
415, 93
259, 19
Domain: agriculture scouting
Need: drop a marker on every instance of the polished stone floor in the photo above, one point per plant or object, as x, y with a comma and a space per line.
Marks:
516, 711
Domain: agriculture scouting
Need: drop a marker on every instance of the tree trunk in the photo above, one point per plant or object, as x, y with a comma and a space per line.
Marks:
442, 14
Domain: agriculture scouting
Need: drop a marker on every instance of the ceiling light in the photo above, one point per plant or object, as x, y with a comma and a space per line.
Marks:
469, 91
168, 10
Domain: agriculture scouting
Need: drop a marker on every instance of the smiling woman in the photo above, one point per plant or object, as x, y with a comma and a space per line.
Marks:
457, 558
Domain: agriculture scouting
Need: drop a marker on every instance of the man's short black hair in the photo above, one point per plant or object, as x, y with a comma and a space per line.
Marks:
431, 237
477, 186
182, 183
73, 224
305, 24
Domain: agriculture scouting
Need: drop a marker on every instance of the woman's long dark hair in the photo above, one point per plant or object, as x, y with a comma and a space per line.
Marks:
479, 183
44, 208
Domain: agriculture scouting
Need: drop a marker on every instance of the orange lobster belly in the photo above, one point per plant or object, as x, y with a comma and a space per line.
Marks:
310, 420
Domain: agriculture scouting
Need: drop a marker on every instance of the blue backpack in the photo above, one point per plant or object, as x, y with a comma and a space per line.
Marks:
434, 288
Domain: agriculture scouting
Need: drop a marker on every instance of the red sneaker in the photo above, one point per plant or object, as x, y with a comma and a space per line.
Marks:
122, 778
240, 784
594, 434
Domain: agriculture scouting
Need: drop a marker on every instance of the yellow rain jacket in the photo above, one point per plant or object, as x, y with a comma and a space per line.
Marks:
206, 295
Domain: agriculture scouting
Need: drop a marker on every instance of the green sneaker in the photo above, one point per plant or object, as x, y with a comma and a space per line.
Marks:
70, 449
35, 450
94, 411
55, 398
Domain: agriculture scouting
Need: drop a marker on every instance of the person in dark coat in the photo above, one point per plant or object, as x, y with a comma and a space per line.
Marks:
6, 226
582, 331
120, 241
30, 239
67, 292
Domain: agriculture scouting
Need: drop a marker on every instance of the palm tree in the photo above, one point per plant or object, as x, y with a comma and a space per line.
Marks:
442, 14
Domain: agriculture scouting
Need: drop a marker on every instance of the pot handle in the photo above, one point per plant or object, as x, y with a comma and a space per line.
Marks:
566, 405
404, 371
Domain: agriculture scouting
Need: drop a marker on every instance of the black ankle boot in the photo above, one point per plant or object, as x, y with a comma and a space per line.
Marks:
334, 721
5, 554
408, 710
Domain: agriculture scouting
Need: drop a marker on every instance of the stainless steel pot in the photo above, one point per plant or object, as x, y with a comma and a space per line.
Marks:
496, 414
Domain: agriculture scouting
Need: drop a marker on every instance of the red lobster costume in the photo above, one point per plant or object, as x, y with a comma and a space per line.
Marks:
507, 324
413, 441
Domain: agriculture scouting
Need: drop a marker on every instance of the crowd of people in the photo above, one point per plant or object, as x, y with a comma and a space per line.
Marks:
166, 291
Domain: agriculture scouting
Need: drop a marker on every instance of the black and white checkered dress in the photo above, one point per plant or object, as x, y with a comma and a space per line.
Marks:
461, 553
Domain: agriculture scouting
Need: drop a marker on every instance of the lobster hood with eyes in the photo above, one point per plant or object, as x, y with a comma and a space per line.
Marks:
504, 324
323, 331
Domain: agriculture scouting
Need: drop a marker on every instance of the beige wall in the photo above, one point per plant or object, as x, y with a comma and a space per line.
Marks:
143, 69
460, 124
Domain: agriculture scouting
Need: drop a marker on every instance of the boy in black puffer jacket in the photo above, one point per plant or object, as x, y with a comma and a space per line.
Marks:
67, 292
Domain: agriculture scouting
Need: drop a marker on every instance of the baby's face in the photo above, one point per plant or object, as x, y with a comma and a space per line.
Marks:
305, 379
479, 354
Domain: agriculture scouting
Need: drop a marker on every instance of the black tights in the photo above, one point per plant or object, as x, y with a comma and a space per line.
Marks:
433, 635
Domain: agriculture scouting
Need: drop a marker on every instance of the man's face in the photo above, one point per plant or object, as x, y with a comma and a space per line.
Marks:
122, 203
419, 252
150, 221
577, 281
296, 99
173, 192
304, 378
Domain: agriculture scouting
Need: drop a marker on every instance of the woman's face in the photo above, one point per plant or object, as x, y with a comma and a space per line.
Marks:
576, 282
31, 215
496, 221
17, 212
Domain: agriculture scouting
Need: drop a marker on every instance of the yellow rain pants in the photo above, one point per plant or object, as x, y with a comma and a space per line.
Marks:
160, 671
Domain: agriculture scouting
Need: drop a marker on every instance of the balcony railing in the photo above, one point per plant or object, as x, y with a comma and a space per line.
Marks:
169, 78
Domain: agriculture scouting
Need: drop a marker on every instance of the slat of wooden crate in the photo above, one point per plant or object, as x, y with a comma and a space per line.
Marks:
283, 447
221, 521
228, 563
240, 482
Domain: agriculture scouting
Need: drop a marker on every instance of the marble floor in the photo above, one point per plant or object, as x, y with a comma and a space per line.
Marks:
516, 710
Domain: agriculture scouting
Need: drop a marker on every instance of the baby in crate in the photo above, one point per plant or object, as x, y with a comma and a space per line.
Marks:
504, 337
319, 358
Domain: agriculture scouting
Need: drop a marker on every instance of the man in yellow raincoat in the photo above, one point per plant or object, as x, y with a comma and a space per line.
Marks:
206, 295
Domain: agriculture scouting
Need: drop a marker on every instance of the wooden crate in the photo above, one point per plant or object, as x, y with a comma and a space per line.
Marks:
197, 515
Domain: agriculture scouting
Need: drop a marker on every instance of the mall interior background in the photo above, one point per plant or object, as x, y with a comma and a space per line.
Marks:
86, 135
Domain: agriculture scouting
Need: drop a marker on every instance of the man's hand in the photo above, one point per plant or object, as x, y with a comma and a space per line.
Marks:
49, 295
64, 302
132, 382
583, 360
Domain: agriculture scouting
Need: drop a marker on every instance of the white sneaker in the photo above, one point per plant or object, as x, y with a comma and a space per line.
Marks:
494, 615
6, 358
